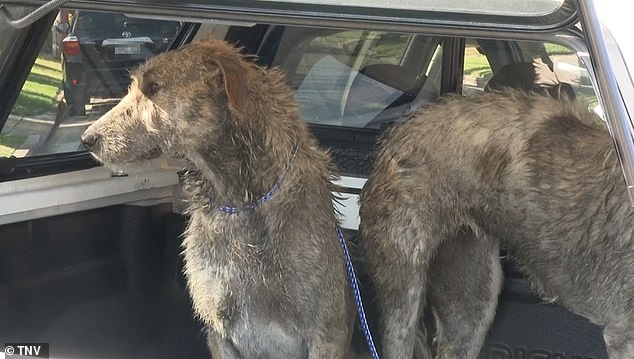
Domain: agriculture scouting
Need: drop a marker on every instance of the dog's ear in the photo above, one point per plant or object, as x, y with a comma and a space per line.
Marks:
234, 80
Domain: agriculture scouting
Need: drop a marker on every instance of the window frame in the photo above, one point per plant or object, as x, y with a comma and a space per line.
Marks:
16, 62
17, 59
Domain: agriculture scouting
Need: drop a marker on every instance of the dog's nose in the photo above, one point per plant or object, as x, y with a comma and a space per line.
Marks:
89, 140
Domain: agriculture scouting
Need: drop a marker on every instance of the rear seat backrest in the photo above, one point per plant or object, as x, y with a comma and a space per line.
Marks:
528, 76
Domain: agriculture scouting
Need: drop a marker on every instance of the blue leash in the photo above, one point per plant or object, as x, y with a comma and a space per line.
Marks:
352, 278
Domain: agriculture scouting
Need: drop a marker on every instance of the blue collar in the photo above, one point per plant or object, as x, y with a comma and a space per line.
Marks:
265, 197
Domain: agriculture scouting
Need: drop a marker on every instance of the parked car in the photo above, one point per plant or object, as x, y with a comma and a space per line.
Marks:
102, 48
89, 259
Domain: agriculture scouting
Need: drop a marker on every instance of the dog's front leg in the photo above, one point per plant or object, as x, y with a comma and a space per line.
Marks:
219, 347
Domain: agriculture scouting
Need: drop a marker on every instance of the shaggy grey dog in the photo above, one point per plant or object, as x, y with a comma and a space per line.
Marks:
263, 263
464, 175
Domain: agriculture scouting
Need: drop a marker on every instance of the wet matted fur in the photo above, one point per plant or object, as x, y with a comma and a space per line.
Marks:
464, 175
268, 282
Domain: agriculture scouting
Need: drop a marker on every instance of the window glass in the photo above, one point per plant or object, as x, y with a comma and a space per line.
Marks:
353, 78
496, 7
211, 31
568, 68
81, 72
477, 69
529, 66
348, 78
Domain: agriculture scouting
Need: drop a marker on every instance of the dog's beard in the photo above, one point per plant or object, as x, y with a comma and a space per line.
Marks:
116, 163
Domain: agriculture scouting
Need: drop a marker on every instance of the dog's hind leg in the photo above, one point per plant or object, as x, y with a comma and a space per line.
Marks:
219, 347
402, 225
619, 340
322, 349
332, 341
399, 315
398, 250
465, 281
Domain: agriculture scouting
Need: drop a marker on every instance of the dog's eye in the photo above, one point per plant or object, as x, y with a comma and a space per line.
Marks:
151, 88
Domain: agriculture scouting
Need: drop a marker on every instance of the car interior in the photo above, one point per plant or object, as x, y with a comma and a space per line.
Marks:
105, 279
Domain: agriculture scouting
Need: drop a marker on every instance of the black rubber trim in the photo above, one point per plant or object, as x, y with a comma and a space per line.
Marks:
452, 65
12, 168
17, 58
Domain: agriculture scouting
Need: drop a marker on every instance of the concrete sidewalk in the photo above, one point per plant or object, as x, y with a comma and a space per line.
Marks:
35, 129
53, 132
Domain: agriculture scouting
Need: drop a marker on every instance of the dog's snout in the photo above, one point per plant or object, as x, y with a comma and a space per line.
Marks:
89, 140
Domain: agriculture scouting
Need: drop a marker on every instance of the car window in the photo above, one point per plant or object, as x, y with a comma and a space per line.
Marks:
342, 78
372, 79
351, 78
82, 71
529, 66
477, 70
568, 68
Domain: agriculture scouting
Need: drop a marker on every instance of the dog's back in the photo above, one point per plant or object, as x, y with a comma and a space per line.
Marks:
525, 169
528, 170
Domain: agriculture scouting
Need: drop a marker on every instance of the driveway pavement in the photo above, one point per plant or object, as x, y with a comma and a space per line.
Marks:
53, 132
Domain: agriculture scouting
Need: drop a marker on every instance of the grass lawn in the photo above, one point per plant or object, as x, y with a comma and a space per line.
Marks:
8, 143
40, 89
555, 49
476, 64
38, 96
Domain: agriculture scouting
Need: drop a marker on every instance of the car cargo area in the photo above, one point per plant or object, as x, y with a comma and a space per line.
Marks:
104, 283
108, 283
